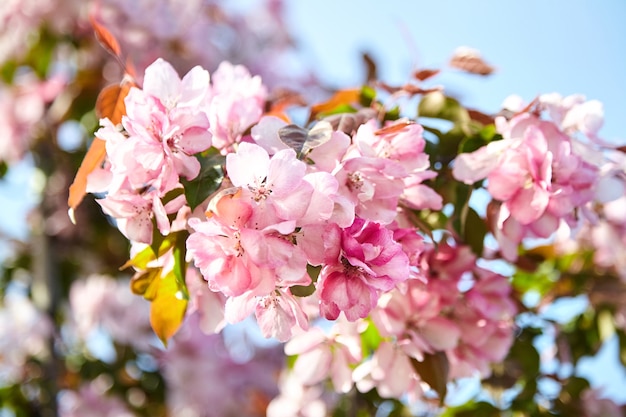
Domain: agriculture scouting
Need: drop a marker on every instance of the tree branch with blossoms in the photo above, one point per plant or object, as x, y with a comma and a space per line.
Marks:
392, 243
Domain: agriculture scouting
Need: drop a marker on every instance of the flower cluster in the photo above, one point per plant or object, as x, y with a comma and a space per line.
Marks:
166, 124
542, 171
303, 225
334, 213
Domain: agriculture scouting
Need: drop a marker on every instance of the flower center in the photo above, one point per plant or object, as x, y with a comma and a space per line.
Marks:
355, 181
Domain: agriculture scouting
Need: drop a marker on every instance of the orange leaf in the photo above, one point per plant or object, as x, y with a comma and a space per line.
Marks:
340, 97
425, 74
110, 102
394, 128
94, 157
106, 38
168, 308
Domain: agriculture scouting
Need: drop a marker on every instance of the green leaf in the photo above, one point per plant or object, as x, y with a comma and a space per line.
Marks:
471, 409
208, 180
541, 280
4, 168
434, 371
370, 338
474, 231
621, 335
303, 290
367, 96
393, 114
180, 265
439, 106
307, 290
7, 71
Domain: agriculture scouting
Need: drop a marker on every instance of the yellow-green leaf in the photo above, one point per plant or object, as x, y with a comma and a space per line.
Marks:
168, 308
141, 283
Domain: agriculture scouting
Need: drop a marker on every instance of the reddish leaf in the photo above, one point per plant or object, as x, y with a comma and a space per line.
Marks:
342, 97
480, 117
407, 88
106, 38
470, 60
110, 102
394, 128
280, 100
94, 157
425, 74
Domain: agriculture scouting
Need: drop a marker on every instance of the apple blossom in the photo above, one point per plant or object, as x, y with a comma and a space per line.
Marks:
369, 262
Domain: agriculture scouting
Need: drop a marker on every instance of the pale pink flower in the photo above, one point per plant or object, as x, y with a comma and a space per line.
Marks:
236, 103
297, 399
416, 320
207, 304
485, 319
389, 371
329, 355
402, 142
373, 185
163, 120
523, 177
275, 187
22, 108
575, 113
134, 213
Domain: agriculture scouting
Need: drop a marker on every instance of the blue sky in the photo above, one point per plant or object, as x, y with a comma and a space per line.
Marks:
537, 46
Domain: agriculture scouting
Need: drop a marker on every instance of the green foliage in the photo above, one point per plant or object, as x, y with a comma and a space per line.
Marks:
438, 106
471, 409
208, 180
370, 338
434, 371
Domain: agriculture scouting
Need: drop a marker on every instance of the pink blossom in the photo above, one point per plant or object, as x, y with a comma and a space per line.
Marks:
485, 319
373, 185
389, 371
415, 318
134, 213
523, 177
207, 304
326, 355
370, 262
297, 399
236, 103
22, 108
163, 121
275, 196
